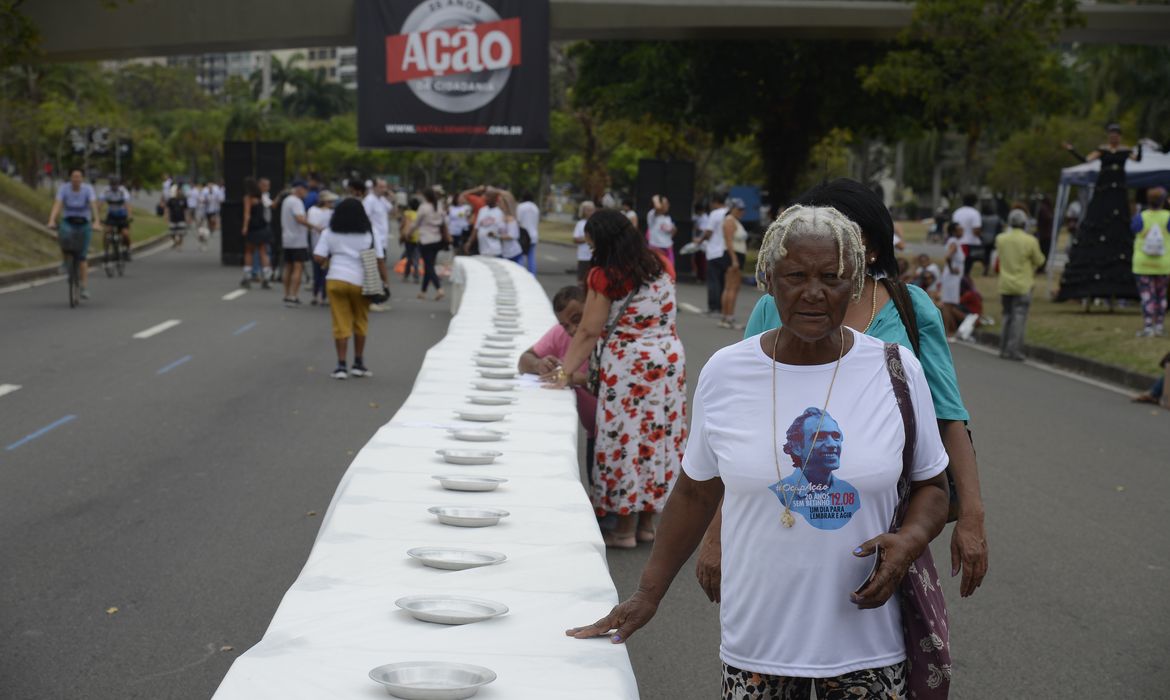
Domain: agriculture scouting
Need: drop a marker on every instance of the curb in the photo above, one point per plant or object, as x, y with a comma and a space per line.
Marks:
1090, 368
32, 274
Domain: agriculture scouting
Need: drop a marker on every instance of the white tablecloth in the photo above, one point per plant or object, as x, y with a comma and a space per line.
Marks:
339, 620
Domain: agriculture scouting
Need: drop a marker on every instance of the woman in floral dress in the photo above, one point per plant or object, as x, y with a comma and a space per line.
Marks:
641, 409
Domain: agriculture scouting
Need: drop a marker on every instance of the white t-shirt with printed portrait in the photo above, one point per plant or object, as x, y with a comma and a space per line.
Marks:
785, 606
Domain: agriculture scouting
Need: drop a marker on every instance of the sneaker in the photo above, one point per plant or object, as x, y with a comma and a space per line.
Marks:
314, 301
264, 285
1147, 332
360, 371
1160, 331
290, 303
339, 373
84, 293
724, 323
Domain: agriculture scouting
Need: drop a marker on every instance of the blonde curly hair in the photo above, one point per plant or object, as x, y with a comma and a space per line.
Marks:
825, 223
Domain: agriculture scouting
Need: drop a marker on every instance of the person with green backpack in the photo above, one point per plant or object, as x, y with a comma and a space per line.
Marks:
1151, 262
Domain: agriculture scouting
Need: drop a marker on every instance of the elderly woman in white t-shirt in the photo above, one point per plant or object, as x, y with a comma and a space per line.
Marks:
799, 431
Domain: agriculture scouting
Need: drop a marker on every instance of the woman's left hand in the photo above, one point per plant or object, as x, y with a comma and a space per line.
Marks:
898, 552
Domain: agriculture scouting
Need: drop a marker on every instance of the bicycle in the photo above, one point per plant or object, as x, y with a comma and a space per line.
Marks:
70, 245
113, 252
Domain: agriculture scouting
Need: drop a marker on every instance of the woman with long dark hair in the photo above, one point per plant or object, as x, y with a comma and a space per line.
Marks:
629, 319
257, 235
430, 224
339, 251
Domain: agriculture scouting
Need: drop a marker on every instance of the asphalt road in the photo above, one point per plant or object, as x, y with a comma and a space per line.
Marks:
180, 493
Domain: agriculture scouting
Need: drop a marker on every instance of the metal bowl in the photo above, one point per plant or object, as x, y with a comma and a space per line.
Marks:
458, 482
461, 516
497, 373
469, 457
496, 400
481, 416
455, 559
500, 344
508, 331
478, 435
497, 364
446, 609
493, 353
432, 680
497, 337
493, 386
507, 313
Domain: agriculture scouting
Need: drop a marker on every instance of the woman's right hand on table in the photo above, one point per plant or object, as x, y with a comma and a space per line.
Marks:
626, 618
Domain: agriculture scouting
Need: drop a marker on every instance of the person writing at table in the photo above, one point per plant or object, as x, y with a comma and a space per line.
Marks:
799, 532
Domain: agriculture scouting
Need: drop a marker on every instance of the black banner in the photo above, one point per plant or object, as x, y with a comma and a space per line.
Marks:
453, 74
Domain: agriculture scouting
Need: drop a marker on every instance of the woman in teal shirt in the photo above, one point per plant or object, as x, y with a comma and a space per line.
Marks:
876, 315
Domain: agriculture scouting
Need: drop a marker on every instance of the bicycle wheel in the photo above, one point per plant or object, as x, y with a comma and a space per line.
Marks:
110, 251
74, 281
119, 257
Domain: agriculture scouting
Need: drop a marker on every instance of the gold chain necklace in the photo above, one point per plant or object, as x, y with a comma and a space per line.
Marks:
787, 519
873, 311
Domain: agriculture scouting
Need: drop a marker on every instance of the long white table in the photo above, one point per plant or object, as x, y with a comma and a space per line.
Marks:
338, 620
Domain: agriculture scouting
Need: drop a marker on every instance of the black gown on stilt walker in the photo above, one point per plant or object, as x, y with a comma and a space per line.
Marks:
1099, 258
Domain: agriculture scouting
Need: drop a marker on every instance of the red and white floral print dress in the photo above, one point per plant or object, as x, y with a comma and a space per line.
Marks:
641, 408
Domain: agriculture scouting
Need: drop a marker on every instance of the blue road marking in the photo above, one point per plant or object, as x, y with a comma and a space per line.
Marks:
33, 436
245, 328
182, 360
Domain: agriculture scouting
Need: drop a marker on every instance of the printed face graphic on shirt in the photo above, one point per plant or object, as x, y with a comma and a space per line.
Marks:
826, 501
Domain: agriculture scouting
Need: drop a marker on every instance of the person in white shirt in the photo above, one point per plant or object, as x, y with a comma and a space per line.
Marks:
294, 240
458, 221
319, 215
584, 252
528, 217
490, 227
927, 275
735, 245
660, 228
340, 251
378, 208
971, 223
950, 286
628, 210
214, 199
715, 250
810, 470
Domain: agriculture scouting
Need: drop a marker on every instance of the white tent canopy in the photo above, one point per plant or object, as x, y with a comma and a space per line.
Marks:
1153, 169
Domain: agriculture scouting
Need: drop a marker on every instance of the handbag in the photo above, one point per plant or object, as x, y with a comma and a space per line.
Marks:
593, 382
925, 629
373, 288
900, 295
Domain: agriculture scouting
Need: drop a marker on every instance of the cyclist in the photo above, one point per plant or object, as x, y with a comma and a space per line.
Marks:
117, 221
77, 204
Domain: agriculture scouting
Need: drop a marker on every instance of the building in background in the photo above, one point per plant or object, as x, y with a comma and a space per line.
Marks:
336, 64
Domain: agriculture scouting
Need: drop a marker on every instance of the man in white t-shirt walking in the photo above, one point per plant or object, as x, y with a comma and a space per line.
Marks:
294, 239
378, 208
715, 250
489, 226
584, 252
969, 219
528, 216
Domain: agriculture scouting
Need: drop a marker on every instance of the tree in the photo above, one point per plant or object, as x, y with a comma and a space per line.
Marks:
1138, 76
787, 94
977, 66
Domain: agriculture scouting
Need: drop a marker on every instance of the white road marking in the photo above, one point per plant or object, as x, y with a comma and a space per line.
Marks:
689, 308
8, 388
549, 258
155, 330
235, 295
1055, 370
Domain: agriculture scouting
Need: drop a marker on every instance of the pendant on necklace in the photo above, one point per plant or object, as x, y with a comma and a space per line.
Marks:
787, 519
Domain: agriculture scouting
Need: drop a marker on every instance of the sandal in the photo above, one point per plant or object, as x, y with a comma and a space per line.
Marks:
616, 541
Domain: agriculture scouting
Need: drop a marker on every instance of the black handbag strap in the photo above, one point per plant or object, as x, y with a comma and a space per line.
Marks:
900, 295
897, 372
